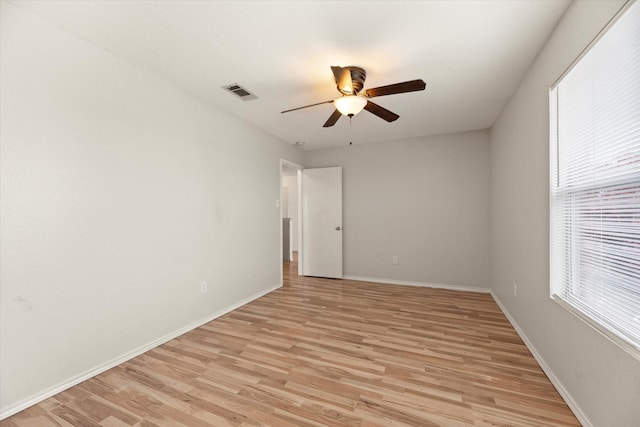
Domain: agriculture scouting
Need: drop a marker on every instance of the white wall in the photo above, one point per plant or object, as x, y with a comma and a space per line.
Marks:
424, 200
115, 204
601, 380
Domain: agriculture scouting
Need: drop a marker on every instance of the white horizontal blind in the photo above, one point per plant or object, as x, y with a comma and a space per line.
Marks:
595, 183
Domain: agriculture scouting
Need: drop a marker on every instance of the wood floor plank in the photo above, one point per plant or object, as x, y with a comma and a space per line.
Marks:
321, 352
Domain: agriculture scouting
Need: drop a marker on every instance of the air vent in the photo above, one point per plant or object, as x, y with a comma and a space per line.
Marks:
239, 91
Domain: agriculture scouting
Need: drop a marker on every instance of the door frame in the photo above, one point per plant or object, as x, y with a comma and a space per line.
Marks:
299, 168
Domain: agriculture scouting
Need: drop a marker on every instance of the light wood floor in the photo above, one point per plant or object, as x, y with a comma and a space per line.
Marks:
324, 352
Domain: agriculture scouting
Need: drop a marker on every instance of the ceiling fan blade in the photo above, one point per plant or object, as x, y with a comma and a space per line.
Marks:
383, 113
343, 79
332, 119
307, 106
410, 86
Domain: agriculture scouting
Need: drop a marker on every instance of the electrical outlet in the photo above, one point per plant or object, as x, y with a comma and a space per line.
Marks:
395, 259
515, 289
203, 286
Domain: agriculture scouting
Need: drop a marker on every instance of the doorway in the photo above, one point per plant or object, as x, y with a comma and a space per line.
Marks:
290, 238
310, 221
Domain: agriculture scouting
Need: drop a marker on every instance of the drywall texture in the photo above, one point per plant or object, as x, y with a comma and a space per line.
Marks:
602, 379
424, 200
115, 203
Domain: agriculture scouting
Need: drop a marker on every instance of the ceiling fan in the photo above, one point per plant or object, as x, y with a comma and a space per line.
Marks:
350, 81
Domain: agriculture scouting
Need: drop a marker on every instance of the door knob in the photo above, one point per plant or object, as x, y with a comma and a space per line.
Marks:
338, 228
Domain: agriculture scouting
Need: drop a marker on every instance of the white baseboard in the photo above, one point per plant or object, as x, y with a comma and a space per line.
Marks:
577, 411
39, 397
420, 284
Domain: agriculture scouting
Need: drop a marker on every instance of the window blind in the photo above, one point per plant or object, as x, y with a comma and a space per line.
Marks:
595, 183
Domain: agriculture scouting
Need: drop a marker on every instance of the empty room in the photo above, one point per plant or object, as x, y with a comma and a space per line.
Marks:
320, 213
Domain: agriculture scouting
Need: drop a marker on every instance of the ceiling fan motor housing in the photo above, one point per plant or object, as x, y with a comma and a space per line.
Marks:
358, 76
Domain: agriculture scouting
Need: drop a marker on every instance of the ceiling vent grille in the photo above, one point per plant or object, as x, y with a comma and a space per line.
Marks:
239, 91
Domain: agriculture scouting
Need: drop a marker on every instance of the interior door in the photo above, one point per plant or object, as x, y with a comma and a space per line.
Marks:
321, 197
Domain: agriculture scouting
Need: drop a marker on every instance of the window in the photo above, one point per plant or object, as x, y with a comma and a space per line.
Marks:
595, 183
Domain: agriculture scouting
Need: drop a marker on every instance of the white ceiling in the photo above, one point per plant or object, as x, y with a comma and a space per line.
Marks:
472, 54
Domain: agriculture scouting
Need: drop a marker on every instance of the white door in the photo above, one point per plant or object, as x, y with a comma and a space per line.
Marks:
321, 191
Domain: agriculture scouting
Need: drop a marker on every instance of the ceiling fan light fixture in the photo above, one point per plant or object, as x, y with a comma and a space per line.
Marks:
350, 105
